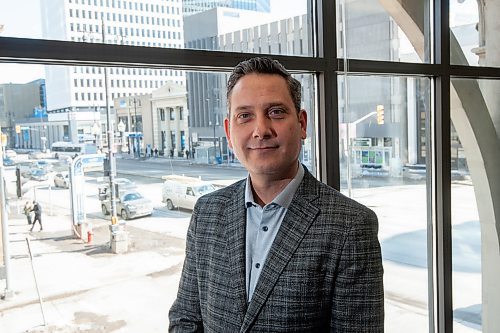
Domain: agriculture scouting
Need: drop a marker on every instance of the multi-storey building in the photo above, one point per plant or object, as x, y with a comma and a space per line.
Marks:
22, 105
191, 7
81, 90
160, 118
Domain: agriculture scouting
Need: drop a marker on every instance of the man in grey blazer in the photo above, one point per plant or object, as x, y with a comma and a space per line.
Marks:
278, 251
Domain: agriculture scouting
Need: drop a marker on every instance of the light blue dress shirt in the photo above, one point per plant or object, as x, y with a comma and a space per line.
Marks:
263, 224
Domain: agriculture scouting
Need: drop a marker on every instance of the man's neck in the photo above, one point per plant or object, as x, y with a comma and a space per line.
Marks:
266, 188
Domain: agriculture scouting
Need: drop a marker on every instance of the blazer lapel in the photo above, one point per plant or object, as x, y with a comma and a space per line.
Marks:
236, 226
296, 222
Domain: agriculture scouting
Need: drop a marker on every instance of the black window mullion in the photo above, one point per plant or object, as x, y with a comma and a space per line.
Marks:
440, 244
327, 101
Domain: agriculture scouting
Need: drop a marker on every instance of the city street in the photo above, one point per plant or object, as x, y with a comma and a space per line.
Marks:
86, 288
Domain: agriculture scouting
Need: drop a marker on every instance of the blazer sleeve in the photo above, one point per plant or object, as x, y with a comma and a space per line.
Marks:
358, 301
185, 313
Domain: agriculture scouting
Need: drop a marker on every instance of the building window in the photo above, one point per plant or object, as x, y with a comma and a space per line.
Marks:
162, 114
172, 113
172, 139
181, 113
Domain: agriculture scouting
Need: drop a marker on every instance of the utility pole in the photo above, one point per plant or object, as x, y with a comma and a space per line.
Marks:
4, 219
111, 143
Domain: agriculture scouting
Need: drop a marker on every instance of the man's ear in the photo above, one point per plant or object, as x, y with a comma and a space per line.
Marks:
228, 134
303, 123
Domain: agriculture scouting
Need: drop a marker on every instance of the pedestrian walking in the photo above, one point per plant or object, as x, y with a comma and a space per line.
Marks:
27, 211
156, 151
37, 209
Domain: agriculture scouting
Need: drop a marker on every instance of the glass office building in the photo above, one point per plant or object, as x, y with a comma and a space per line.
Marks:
191, 7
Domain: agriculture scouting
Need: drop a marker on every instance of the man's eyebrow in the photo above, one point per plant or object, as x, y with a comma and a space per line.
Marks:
273, 104
244, 108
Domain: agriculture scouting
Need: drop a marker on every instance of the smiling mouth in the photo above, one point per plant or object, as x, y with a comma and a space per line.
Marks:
263, 148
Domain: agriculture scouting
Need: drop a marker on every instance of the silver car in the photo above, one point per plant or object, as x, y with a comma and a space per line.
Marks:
129, 205
61, 179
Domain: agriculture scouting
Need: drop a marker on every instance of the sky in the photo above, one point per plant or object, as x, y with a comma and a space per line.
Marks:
21, 18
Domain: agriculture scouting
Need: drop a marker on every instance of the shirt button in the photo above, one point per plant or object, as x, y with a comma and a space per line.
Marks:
265, 228
257, 265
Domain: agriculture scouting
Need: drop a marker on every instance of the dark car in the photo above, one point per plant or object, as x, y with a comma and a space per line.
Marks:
39, 175
7, 161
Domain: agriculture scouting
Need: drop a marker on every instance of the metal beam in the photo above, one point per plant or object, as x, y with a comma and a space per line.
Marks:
39, 51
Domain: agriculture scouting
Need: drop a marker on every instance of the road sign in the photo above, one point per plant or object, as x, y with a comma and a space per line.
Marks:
77, 168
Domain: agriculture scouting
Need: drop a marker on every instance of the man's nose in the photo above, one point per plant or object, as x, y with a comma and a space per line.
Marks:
263, 128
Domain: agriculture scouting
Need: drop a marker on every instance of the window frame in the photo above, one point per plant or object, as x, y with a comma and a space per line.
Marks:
326, 66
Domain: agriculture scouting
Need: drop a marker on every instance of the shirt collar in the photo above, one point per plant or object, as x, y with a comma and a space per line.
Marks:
284, 198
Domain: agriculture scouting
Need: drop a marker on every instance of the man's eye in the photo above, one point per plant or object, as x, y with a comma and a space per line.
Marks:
243, 117
276, 113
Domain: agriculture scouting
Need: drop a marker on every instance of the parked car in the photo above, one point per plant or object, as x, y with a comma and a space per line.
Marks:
180, 191
61, 179
39, 175
129, 205
7, 161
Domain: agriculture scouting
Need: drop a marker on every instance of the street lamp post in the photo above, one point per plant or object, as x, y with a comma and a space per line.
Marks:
110, 135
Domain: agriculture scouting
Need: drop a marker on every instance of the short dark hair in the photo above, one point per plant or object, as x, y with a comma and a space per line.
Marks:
264, 65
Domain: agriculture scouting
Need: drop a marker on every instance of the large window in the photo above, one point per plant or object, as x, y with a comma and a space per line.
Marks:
383, 30
382, 165
402, 101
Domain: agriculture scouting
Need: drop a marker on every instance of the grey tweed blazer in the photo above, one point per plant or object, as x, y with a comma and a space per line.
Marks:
323, 272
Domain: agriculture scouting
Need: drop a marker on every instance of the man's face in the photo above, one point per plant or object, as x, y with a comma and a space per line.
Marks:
264, 128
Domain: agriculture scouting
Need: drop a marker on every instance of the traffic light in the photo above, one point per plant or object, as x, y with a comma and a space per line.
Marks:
380, 114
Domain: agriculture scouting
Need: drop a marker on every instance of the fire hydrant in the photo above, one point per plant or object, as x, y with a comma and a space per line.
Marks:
90, 236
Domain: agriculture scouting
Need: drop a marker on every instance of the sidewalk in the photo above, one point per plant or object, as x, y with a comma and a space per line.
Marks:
179, 160
86, 288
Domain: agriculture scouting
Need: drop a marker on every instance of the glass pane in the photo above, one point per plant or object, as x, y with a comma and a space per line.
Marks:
474, 157
63, 111
255, 26
468, 32
383, 30
382, 153
278, 28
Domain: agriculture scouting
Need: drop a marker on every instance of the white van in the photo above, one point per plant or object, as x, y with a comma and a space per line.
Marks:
183, 192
